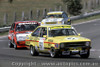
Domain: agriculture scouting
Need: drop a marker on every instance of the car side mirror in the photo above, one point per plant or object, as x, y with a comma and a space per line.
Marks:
79, 34
45, 36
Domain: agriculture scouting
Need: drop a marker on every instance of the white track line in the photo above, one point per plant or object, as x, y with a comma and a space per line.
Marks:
95, 50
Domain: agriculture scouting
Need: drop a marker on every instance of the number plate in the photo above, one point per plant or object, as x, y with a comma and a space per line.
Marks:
75, 48
75, 51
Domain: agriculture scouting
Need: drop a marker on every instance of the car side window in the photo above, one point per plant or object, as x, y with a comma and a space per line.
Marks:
12, 27
36, 32
43, 31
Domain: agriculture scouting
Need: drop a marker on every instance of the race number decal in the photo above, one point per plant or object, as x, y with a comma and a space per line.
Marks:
72, 38
41, 44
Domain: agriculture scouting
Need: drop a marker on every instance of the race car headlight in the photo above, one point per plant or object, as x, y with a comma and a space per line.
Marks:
27, 37
62, 45
87, 43
56, 45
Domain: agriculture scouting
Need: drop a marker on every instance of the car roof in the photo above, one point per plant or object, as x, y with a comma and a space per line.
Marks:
25, 22
54, 25
55, 12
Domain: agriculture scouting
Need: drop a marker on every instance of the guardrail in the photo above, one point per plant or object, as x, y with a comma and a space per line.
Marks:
4, 29
85, 15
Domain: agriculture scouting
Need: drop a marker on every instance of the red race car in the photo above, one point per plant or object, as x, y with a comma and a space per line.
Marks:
19, 31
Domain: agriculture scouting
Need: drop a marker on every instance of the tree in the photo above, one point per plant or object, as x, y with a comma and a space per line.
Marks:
10, 1
73, 6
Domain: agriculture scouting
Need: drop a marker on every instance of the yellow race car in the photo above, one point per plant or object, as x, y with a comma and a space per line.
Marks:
58, 40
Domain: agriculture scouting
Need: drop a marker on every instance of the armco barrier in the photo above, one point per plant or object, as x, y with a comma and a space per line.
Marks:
4, 29
85, 15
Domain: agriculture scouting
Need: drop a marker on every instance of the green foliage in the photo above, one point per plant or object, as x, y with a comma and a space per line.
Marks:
73, 6
10, 1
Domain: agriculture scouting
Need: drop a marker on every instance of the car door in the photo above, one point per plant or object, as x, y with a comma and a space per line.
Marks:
11, 32
34, 38
43, 40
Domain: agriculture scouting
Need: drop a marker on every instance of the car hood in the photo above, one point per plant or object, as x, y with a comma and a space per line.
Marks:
61, 39
24, 34
52, 19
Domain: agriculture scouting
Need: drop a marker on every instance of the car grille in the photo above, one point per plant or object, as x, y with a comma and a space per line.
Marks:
75, 44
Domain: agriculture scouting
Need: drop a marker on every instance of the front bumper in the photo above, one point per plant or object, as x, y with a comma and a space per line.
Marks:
74, 50
21, 44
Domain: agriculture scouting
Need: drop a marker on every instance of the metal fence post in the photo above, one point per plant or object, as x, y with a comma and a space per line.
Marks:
89, 5
56, 8
38, 14
99, 2
60, 8
50, 9
30, 15
23, 15
44, 13
92, 4
14, 17
84, 7
5, 18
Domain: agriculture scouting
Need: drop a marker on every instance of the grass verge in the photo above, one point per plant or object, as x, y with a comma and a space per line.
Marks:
3, 33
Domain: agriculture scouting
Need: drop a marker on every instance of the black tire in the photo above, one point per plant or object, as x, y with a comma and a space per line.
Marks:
33, 51
15, 46
54, 53
85, 55
64, 56
10, 44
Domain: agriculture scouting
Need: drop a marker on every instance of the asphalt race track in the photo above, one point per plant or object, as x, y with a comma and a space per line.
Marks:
9, 57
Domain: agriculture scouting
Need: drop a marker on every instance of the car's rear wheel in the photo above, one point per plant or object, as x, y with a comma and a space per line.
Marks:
85, 55
54, 53
33, 51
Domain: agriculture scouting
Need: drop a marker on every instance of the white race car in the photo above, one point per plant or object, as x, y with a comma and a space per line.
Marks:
56, 17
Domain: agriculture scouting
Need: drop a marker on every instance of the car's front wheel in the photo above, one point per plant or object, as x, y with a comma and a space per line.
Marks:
54, 53
85, 55
10, 44
33, 51
15, 46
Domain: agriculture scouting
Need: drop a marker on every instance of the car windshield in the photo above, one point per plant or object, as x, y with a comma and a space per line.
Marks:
62, 32
55, 16
26, 27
